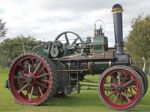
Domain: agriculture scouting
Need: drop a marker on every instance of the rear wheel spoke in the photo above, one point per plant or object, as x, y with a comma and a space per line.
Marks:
45, 81
43, 85
37, 67
41, 69
32, 62
27, 92
31, 93
40, 90
23, 88
45, 74
29, 68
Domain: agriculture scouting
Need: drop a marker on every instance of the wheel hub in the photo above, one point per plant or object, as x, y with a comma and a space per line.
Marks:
120, 89
30, 79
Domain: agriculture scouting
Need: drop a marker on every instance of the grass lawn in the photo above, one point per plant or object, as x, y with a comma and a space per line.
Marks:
87, 101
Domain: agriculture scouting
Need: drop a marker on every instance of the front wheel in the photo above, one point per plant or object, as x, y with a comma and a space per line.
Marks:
120, 87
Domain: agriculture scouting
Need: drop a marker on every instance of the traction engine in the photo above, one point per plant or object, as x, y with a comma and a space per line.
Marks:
57, 68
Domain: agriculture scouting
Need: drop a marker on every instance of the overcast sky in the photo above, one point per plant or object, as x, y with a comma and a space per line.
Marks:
47, 18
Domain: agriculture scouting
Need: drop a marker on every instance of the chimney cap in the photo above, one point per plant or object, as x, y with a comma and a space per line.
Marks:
117, 8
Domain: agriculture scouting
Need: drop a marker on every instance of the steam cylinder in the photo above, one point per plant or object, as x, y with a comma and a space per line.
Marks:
117, 18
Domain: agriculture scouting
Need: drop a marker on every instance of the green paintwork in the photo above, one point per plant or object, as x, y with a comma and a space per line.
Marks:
99, 67
42, 49
100, 43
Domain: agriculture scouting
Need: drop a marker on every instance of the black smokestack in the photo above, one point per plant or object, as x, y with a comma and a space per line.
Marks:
117, 17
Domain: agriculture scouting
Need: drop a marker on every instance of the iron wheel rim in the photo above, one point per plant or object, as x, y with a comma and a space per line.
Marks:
132, 100
35, 86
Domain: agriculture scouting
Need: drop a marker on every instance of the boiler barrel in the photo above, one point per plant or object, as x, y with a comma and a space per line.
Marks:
99, 67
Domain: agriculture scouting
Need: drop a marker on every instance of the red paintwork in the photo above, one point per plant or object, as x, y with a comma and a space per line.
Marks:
31, 79
132, 95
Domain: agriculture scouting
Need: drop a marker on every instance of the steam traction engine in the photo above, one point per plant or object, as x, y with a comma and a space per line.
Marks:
56, 68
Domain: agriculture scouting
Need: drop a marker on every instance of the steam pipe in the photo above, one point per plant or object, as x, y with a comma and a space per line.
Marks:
117, 18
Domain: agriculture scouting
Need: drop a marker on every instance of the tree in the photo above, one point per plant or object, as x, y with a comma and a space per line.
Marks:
11, 48
138, 41
2, 29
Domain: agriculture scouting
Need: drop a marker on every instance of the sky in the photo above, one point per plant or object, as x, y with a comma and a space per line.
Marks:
45, 19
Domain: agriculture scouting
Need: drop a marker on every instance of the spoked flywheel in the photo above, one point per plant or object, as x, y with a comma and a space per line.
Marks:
120, 87
31, 79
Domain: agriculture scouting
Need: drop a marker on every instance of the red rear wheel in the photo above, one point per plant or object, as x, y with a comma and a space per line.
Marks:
31, 80
120, 87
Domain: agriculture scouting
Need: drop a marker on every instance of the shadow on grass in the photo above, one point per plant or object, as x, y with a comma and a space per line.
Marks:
91, 99
140, 109
86, 98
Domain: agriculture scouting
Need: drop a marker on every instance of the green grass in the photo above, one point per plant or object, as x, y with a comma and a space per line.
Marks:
87, 101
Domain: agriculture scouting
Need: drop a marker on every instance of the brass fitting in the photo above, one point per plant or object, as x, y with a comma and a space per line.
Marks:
117, 8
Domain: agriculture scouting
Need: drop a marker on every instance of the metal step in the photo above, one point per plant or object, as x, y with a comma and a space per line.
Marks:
76, 71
